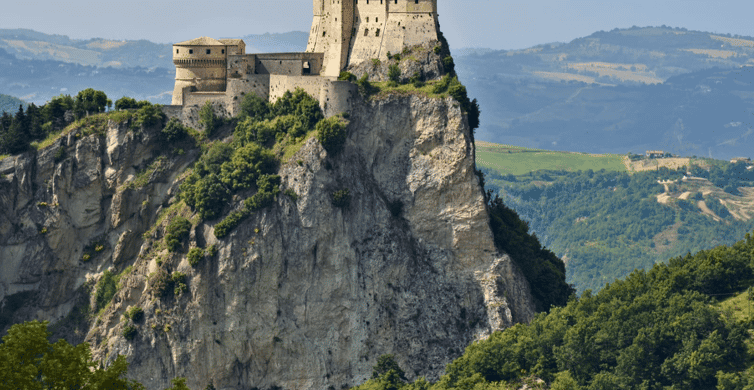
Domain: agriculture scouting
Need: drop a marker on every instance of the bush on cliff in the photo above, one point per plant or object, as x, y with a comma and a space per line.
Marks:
176, 233
331, 133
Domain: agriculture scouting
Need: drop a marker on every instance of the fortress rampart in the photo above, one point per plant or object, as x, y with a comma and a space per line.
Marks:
343, 33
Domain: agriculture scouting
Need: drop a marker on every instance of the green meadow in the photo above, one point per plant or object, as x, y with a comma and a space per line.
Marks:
517, 160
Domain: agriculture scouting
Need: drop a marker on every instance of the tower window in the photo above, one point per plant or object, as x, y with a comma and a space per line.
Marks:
223, 51
367, 19
377, 20
176, 51
209, 51
366, 32
416, 1
191, 51
378, 33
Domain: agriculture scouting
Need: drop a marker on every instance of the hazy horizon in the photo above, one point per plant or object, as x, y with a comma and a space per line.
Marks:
467, 24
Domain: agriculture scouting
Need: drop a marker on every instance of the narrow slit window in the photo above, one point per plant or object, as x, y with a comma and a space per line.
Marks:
176, 51
377, 34
366, 32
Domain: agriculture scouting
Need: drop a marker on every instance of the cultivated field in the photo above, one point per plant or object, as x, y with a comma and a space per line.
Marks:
625, 72
517, 160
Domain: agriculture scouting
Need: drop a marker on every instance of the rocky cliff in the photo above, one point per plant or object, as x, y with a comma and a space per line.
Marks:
301, 295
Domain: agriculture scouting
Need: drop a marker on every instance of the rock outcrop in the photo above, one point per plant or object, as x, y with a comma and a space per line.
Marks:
303, 294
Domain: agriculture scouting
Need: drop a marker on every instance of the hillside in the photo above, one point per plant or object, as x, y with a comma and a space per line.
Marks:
619, 91
606, 215
10, 104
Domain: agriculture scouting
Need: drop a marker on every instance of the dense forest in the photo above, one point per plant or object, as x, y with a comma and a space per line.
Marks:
606, 224
658, 329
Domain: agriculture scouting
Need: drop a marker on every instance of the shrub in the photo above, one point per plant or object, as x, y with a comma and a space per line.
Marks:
437, 49
449, 65
255, 107
268, 188
59, 155
129, 332
195, 255
207, 195
366, 88
135, 313
177, 231
160, 283
394, 73
376, 62
208, 119
331, 133
246, 165
417, 80
347, 76
148, 115
212, 251
179, 283
105, 290
289, 192
174, 131
341, 198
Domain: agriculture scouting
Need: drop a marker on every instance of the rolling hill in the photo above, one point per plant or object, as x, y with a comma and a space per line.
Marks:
607, 215
631, 90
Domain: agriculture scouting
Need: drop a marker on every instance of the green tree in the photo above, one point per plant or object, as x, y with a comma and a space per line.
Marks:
177, 231
29, 361
90, 101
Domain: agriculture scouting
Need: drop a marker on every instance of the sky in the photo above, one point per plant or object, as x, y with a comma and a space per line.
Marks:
491, 24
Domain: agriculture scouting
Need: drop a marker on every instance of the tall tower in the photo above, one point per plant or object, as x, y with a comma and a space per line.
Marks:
409, 23
331, 32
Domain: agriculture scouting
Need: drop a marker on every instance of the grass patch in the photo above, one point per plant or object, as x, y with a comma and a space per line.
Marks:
516, 160
738, 308
4, 156
384, 88
142, 178
287, 149
177, 208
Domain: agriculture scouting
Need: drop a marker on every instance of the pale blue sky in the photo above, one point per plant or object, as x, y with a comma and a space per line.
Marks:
466, 23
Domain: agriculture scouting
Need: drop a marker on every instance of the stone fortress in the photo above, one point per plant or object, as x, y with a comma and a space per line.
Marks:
343, 33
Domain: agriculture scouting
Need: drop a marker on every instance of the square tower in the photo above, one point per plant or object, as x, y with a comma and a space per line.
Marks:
332, 27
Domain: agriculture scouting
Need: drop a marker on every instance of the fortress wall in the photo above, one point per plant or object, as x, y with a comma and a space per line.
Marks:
284, 67
337, 97
408, 29
241, 65
279, 84
199, 98
258, 84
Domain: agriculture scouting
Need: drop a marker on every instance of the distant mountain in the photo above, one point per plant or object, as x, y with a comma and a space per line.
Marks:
33, 45
614, 92
10, 103
37, 81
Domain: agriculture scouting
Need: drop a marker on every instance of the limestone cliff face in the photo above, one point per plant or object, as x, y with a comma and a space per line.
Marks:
302, 295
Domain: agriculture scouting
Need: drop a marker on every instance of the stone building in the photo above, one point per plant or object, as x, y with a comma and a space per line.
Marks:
343, 33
